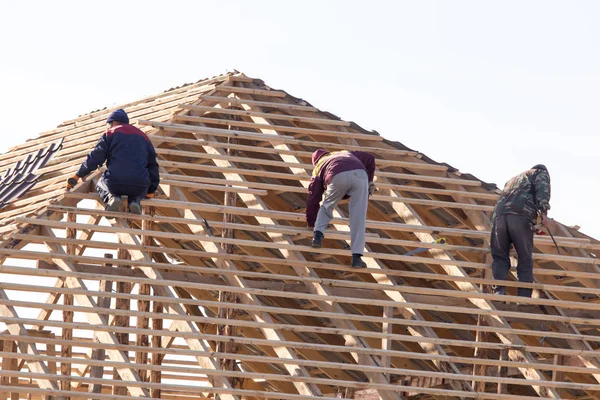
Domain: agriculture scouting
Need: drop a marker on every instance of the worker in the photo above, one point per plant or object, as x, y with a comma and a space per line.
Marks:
339, 175
523, 198
130, 158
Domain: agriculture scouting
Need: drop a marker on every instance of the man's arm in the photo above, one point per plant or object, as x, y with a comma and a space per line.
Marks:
153, 169
541, 184
315, 194
96, 158
368, 161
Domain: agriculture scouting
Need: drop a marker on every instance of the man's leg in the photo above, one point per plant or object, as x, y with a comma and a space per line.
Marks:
338, 187
103, 190
359, 198
112, 201
500, 247
134, 199
521, 231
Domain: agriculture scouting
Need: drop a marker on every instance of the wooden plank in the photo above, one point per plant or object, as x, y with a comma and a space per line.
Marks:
67, 334
262, 318
122, 320
322, 348
70, 129
330, 266
155, 275
349, 300
157, 326
97, 371
386, 343
343, 383
502, 371
328, 348
233, 100
250, 243
381, 162
257, 204
282, 117
280, 128
199, 186
144, 305
258, 92
172, 127
408, 214
95, 318
559, 375
16, 328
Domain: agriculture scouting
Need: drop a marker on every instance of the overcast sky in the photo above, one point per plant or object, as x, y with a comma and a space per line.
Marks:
491, 88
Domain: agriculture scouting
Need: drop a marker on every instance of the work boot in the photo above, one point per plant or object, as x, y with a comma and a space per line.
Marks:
135, 207
114, 204
357, 261
317, 241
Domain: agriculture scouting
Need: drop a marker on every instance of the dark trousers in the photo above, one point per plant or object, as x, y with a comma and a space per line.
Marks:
134, 193
512, 229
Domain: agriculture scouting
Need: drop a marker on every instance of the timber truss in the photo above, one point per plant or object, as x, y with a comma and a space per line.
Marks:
215, 292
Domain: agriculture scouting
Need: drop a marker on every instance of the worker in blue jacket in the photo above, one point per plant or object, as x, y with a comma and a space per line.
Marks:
130, 158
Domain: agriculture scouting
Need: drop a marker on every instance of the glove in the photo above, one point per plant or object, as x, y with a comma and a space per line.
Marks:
372, 188
149, 195
72, 181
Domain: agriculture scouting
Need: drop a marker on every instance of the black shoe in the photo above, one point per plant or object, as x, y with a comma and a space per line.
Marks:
135, 207
114, 205
317, 241
357, 261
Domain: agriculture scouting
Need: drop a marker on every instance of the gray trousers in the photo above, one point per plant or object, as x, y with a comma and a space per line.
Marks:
355, 184
512, 229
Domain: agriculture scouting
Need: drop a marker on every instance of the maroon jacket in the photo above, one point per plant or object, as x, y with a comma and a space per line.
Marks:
322, 175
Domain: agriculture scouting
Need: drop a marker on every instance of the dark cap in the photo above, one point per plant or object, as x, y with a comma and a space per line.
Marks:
118, 116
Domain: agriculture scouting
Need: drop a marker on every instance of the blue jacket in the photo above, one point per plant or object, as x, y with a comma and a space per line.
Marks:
130, 158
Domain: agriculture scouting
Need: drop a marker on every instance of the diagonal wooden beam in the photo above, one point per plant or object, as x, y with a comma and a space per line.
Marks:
18, 329
483, 222
410, 216
255, 202
283, 352
183, 326
407, 313
96, 317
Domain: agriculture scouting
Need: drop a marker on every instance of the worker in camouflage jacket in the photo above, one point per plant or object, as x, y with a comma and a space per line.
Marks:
523, 198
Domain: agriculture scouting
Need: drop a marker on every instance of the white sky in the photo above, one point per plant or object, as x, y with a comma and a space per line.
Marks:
491, 88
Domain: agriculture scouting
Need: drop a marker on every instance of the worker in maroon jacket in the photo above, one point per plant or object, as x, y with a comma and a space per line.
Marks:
339, 175
130, 158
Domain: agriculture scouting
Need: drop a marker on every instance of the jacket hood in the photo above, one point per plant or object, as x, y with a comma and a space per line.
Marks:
317, 155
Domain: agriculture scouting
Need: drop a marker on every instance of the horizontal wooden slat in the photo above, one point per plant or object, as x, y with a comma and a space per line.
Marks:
282, 117
234, 100
279, 128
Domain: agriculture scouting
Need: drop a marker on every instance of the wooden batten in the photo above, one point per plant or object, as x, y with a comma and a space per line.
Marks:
215, 290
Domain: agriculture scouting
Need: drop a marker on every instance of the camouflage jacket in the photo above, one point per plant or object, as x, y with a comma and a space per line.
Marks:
525, 195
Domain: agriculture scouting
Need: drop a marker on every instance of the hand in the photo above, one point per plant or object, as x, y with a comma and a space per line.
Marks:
150, 195
372, 188
545, 220
72, 181
310, 226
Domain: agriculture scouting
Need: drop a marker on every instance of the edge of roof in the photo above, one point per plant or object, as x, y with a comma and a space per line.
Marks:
396, 144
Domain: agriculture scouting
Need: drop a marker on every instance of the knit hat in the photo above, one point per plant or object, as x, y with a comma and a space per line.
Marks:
318, 154
540, 166
118, 116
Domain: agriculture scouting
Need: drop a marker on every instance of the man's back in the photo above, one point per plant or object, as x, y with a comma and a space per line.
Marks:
525, 194
129, 153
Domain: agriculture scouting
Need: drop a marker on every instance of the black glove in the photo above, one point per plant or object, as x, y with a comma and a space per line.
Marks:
372, 188
72, 181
